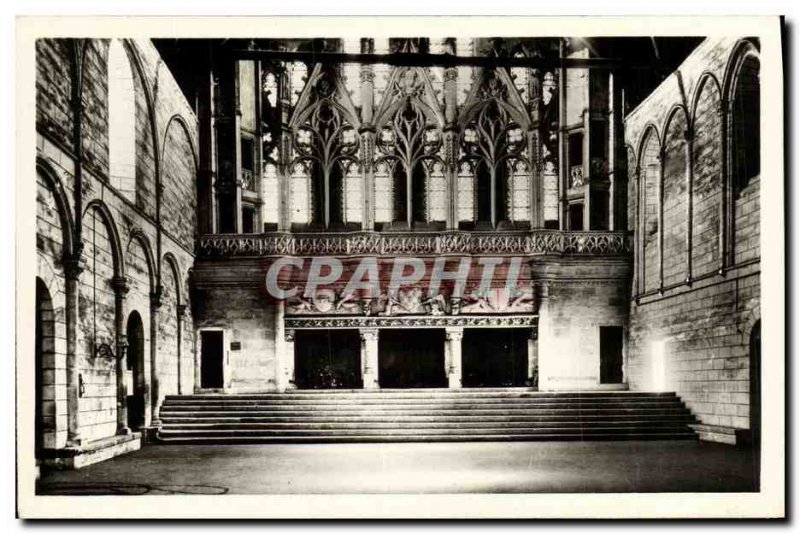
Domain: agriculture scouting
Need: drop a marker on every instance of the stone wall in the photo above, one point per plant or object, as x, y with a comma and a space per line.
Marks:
248, 320
577, 297
110, 236
696, 292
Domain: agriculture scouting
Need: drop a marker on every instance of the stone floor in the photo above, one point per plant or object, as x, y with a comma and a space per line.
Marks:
515, 467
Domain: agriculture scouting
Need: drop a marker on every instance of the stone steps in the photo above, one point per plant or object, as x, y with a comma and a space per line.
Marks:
420, 394
423, 415
410, 419
426, 438
392, 425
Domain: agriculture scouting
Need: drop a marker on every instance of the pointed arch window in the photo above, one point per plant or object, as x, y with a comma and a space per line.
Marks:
409, 147
746, 114
121, 122
495, 144
326, 148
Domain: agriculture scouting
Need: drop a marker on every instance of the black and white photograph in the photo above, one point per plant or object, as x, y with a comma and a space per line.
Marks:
356, 259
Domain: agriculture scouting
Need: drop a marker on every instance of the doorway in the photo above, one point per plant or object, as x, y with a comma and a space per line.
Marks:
495, 357
134, 333
411, 358
212, 352
611, 355
327, 359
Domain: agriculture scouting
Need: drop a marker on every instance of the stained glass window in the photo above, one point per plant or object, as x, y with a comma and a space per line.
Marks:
353, 197
519, 190
437, 193
383, 194
301, 194
465, 195
270, 201
550, 201
299, 76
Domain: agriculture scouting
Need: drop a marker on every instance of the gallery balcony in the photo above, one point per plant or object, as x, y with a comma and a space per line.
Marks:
526, 243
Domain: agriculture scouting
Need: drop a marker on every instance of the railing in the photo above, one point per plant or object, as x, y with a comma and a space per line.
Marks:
409, 244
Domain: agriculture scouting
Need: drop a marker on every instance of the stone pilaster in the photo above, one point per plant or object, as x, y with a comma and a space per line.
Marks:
543, 331
72, 272
369, 357
452, 354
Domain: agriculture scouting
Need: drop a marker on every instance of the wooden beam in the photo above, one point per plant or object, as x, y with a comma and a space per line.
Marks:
439, 60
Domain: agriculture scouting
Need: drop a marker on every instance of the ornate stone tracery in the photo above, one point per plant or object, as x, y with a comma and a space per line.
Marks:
410, 140
325, 140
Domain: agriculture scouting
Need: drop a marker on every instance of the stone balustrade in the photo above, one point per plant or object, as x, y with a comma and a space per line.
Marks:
536, 242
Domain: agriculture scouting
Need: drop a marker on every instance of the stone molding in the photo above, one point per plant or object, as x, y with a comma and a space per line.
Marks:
535, 242
504, 321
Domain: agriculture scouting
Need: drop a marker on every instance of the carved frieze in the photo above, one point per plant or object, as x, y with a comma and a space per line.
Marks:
411, 301
419, 243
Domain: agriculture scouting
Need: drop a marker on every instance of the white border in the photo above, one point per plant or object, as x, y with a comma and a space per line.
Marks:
768, 503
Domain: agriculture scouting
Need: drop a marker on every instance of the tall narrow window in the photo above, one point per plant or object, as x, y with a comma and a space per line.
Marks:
746, 124
745, 156
494, 141
326, 145
121, 122
409, 145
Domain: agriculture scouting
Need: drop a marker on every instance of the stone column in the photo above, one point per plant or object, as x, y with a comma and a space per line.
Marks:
120, 285
367, 132
535, 150
284, 103
72, 272
450, 137
155, 304
452, 354
286, 373
369, 357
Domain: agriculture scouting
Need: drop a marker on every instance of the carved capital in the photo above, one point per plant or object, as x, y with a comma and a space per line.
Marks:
454, 334
368, 334
288, 335
156, 297
120, 285
366, 128
73, 266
